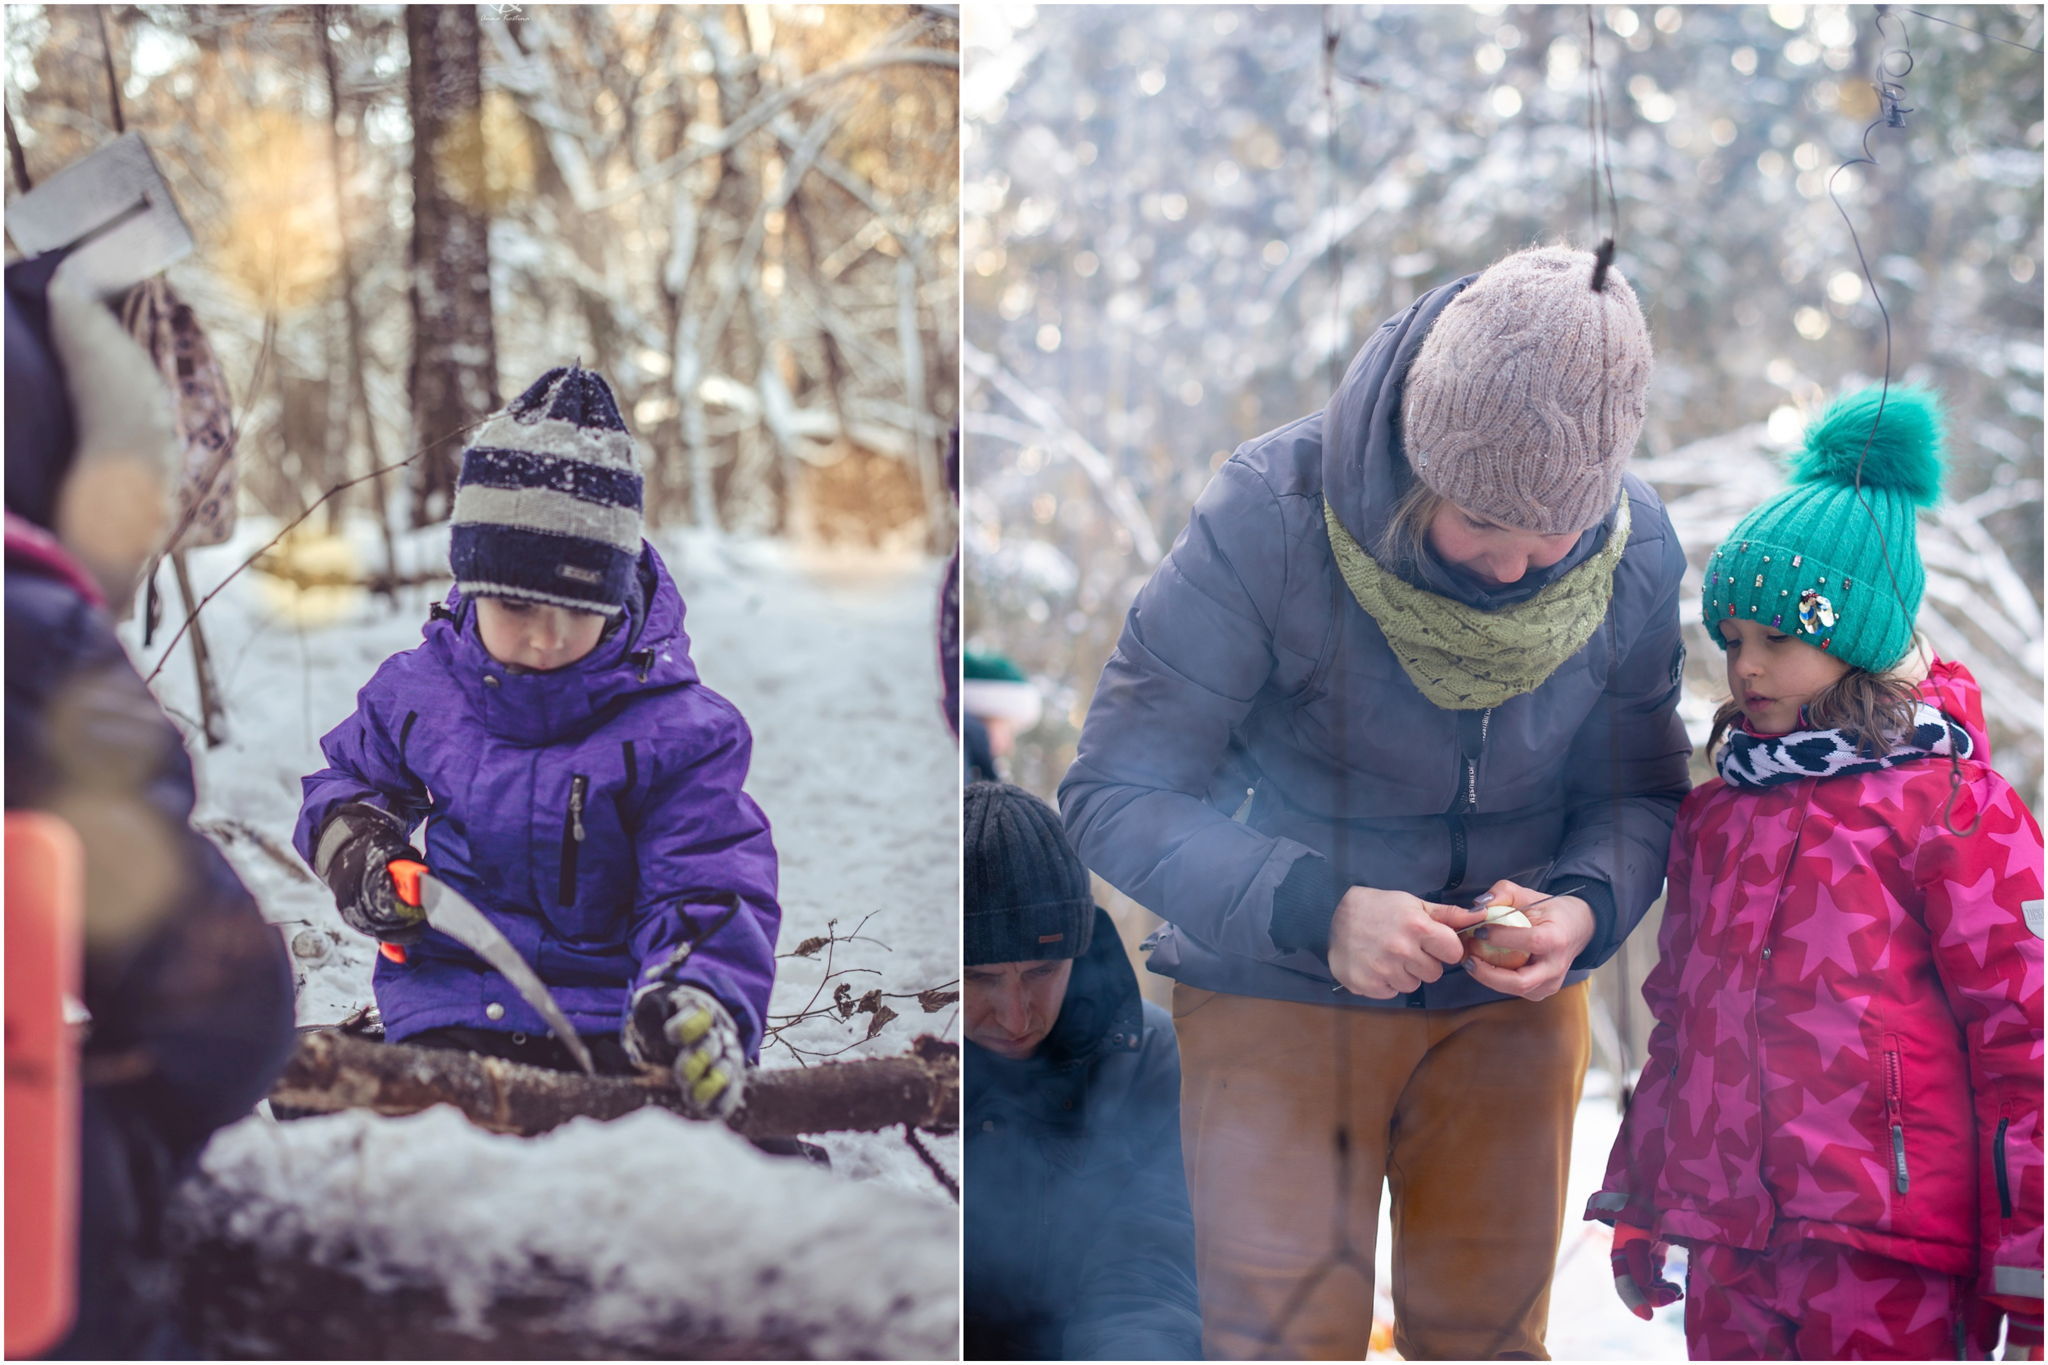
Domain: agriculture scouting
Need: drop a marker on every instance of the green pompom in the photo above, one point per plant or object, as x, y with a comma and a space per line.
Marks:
1905, 453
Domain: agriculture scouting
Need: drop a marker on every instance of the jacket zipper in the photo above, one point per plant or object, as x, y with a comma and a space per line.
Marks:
1998, 1165
1468, 797
572, 836
1894, 1103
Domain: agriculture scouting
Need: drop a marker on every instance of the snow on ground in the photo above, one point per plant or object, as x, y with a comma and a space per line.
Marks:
648, 1208
832, 659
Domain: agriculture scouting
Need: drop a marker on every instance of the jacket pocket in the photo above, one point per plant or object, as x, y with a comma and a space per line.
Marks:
1895, 1110
572, 836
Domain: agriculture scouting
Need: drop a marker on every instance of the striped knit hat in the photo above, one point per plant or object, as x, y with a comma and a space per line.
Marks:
548, 505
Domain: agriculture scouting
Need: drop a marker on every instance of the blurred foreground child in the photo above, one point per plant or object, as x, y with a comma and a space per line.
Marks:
187, 989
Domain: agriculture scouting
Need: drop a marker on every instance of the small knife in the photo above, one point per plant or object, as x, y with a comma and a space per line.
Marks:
1569, 890
451, 913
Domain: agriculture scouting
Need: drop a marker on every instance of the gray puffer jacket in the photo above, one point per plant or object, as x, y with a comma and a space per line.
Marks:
1254, 748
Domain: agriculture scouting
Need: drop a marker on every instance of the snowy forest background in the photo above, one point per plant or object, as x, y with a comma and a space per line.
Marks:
1167, 253
746, 218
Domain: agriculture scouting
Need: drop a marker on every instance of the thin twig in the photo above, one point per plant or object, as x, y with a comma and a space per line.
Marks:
14, 155
931, 1163
293, 524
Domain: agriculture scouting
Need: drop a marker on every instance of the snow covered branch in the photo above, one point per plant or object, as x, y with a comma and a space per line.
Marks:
335, 1071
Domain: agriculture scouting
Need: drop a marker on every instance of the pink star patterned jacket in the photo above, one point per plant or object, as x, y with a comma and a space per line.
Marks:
1848, 1038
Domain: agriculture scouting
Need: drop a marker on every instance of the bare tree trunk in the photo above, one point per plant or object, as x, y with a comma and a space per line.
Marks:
910, 340
454, 379
732, 205
333, 1071
358, 387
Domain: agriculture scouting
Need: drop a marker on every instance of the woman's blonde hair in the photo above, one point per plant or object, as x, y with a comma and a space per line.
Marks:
1875, 709
1407, 530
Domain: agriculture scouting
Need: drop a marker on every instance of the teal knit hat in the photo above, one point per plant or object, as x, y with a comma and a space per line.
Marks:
1831, 565
991, 685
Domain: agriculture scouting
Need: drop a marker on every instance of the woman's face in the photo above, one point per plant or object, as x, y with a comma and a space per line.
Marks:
534, 635
1494, 553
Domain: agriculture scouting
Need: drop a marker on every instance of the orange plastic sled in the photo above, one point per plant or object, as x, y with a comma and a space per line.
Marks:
44, 910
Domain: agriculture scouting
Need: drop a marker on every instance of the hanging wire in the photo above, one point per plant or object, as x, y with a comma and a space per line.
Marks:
2024, 47
1602, 159
1331, 36
1894, 64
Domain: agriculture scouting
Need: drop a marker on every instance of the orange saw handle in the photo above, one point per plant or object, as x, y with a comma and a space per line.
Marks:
405, 877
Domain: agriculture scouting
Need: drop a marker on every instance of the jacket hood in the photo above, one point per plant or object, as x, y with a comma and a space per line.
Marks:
1950, 688
1365, 469
647, 651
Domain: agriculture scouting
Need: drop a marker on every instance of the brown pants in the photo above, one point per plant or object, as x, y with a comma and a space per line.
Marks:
1291, 1117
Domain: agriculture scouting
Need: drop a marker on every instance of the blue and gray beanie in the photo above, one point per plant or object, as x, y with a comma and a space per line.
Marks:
547, 508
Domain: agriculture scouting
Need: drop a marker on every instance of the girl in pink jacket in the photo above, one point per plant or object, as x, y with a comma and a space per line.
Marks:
1841, 1113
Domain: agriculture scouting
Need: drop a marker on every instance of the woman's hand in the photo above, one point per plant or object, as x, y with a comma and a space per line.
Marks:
1386, 943
1561, 927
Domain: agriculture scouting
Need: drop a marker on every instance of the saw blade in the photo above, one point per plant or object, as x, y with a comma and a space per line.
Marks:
451, 913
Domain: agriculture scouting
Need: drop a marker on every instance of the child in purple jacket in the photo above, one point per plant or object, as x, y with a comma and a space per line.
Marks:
579, 785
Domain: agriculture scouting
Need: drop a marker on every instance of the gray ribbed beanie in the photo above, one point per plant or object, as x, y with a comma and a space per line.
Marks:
1026, 892
1528, 394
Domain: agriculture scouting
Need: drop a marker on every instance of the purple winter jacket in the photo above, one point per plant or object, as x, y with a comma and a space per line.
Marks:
594, 812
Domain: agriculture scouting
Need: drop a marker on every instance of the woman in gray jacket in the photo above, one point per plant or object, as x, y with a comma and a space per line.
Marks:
1416, 649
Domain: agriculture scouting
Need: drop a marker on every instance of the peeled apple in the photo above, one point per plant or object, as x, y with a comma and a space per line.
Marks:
1508, 918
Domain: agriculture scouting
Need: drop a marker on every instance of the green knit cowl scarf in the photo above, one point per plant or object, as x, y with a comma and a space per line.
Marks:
1465, 659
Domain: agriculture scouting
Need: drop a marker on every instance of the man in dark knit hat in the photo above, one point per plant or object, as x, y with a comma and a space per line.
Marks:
1079, 1244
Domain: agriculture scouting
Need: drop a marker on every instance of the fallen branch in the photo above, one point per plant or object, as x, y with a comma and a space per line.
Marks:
333, 1071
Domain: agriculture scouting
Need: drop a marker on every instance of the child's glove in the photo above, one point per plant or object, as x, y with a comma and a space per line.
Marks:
686, 1029
357, 847
2022, 1337
1638, 1261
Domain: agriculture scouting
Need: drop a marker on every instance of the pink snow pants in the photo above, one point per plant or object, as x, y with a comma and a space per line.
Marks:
1824, 1301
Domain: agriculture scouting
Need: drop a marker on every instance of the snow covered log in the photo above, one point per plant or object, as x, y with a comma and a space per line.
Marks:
358, 1237
333, 1071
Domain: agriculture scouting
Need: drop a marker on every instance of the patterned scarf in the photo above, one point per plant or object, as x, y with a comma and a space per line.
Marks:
1465, 659
1760, 761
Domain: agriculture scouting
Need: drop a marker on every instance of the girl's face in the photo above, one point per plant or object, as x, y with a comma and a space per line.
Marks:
1772, 674
1497, 554
536, 636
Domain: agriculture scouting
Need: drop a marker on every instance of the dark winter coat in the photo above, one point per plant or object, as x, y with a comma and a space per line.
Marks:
1247, 680
189, 990
594, 812
1079, 1244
